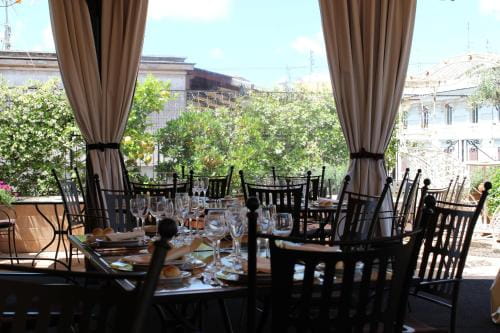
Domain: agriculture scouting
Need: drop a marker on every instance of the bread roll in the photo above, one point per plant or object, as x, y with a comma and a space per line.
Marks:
108, 230
171, 271
97, 232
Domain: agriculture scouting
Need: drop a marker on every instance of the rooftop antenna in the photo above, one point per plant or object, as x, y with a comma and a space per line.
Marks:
7, 31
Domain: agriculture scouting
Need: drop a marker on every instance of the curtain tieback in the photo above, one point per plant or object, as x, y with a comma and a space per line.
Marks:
362, 153
101, 146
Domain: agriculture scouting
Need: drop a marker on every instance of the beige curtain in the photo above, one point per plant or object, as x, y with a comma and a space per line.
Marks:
368, 47
100, 87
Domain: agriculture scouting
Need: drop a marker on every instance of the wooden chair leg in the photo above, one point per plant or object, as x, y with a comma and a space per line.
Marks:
10, 250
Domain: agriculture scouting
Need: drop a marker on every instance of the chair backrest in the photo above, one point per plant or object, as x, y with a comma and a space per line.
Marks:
360, 290
316, 183
70, 196
403, 188
438, 193
357, 219
405, 207
218, 186
163, 190
118, 210
65, 301
447, 241
286, 199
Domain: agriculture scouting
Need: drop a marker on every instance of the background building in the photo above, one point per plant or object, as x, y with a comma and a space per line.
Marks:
440, 131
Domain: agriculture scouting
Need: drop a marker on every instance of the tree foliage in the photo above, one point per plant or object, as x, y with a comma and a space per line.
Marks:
488, 90
138, 142
293, 132
37, 131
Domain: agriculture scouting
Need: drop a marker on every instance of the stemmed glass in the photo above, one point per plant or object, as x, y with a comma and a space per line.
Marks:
236, 223
195, 212
181, 211
168, 209
139, 208
156, 208
266, 224
283, 225
203, 185
215, 230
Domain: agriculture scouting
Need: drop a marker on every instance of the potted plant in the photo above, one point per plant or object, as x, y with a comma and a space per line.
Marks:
6, 196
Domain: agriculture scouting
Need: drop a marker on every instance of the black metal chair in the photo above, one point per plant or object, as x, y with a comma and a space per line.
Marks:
359, 217
45, 300
447, 241
75, 213
316, 183
286, 199
405, 206
164, 190
218, 186
8, 228
361, 289
118, 212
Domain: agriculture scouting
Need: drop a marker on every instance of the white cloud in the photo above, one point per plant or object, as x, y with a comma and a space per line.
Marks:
490, 7
306, 44
47, 41
216, 53
204, 10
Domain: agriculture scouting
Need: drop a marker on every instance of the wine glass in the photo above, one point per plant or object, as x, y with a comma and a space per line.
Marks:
236, 223
156, 208
168, 209
266, 224
194, 213
139, 209
215, 230
283, 224
204, 182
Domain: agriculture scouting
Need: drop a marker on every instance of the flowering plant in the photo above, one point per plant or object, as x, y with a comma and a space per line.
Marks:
6, 196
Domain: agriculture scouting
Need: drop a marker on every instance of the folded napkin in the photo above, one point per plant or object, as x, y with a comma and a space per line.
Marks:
310, 247
120, 236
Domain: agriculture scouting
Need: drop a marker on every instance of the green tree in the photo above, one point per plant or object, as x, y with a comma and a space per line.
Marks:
138, 142
293, 132
37, 132
488, 90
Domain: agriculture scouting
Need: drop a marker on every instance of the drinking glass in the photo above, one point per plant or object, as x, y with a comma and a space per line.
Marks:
203, 183
237, 223
195, 211
215, 230
266, 225
168, 209
283, 224
139, 208
156, 208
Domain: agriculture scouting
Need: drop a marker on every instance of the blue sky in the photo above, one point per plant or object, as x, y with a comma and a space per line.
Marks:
270, 41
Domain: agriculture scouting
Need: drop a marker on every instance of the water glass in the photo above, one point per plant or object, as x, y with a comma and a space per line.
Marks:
237, 224
139, 209
215, 230
156, 208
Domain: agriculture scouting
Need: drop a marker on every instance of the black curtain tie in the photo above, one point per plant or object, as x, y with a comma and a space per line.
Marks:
101, 146
362, 153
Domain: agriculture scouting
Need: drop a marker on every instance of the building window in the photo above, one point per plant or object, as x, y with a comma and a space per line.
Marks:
449, 114
424, 121
473, 154
474, 114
